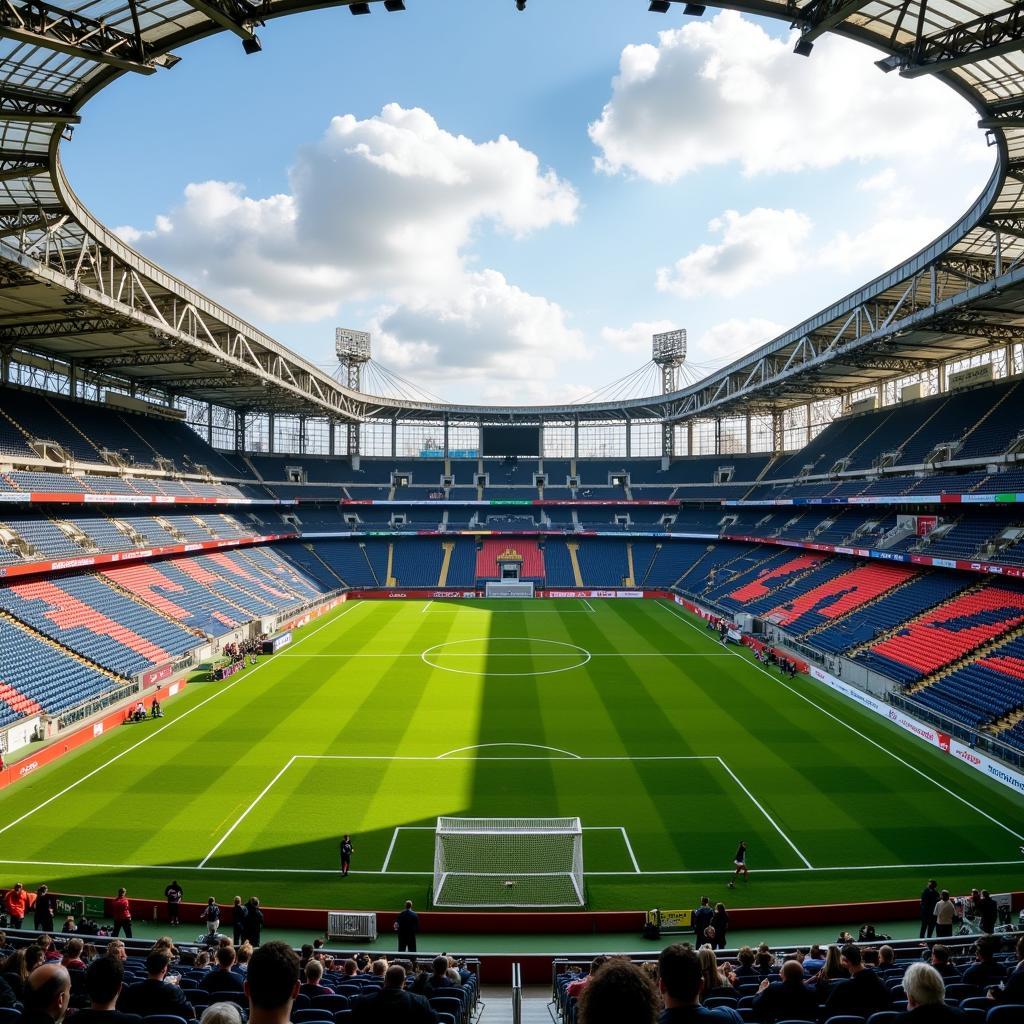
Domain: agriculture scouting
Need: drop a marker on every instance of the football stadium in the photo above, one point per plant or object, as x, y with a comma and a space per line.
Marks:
618, 709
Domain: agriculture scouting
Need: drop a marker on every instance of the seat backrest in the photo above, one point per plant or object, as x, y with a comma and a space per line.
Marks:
311, 1014
1008, 1013
164, 1018
883, 1017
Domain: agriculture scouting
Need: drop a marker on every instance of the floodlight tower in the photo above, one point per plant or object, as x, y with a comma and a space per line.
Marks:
353, 350
668, 350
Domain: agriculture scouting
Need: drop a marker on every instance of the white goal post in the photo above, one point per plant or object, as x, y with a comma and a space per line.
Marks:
508, 862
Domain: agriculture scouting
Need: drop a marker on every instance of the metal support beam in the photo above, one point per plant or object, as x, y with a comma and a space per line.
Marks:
41, 24
981, 39
818, 16
234, 15
34, 107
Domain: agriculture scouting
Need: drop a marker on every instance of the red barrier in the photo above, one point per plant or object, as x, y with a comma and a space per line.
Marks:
17, 771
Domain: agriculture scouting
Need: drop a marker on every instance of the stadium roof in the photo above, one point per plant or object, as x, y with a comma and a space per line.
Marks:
71, 290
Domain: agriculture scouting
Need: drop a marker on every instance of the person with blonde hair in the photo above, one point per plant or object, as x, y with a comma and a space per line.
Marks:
712, 975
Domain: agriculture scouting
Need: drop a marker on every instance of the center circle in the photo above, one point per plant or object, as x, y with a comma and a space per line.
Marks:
502, 649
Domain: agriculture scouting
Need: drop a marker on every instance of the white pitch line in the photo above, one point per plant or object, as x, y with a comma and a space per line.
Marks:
590, 607
173, 721
391, 848
521, 654
532, 746
629, 850
771, 821
435, 757
238, 821
230, 869
857, 732
425, 607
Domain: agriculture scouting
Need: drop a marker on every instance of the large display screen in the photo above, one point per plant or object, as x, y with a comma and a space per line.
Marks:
510, 441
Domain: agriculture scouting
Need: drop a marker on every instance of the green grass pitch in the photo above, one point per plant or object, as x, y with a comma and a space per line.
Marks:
386, 714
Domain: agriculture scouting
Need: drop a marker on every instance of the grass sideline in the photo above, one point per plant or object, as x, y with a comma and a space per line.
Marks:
383, 715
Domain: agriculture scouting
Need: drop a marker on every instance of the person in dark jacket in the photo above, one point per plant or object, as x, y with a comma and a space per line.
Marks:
407, 925
1012, 990
272, 983
926, 992
929, 898
238, 916
154, 995
788, 999
174, 894
863, 994
988, 912
720, 924
7, 997
43, 909
701, 918
986, 970
681, 984
253, 921
47, 995
391, 1004
223, 979
104, 978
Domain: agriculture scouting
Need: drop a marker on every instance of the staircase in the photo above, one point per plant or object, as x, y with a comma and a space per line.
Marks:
650, 565
391, 581
66, 651
125, 592
630, 579
373, 574
574, 559
989, 412
312, 551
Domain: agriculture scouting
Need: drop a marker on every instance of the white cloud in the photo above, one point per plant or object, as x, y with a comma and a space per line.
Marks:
636, 338
384, 211
755, 248
881, 244
722, 90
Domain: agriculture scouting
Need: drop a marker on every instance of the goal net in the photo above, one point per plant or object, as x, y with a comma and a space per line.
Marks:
508, 862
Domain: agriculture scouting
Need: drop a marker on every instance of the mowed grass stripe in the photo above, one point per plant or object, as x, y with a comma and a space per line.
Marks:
842, 801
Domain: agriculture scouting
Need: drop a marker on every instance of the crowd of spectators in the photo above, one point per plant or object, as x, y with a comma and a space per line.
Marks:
225, 985
848, 982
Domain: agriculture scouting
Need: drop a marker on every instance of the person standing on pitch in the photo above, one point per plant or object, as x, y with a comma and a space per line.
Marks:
740, 860
407, 924
345, 849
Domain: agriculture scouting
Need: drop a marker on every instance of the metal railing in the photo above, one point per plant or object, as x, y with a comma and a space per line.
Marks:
517, 994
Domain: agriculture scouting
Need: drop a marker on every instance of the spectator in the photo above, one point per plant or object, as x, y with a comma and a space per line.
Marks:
16, 969
680, 982
788, 999
116, 950
223, 979
243, 955
929, 897
886, 957
174, 894
253, 921
47, 994
211, 915
701, 918
104, 978
238, 916
43, 909
574, 988
926, 992
72, 958
944, 912
764, 964
16, 904
988, 912
314, 973
154, 995
5, 950
272, 983
619, 991
50, 951
221, 1013
122, 913
720, 922
863, 994
744, 969
8, 1000
712, 977
943, 963
986, 970
1012, 990
69, 927
390, 1003
432, 984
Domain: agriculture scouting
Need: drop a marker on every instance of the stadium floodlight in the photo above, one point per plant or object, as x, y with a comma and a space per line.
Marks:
394, 5
694, 10
803, 47
659, 6
361, 8
251, 45
508, 862
520, 5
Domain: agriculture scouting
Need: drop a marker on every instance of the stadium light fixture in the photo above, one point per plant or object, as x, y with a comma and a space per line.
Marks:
251, 45
361, 8
520, 5
394, 5
659, 6
694, 10
803, 47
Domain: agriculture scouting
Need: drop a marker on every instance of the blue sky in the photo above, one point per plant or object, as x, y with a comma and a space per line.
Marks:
525, 270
